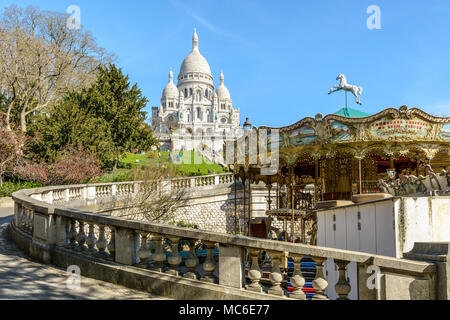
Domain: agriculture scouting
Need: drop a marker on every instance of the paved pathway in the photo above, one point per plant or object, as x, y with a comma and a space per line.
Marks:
21, 278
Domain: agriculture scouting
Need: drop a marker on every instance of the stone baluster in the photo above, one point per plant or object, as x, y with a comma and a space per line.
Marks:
144, 252
91, 239
81, 237
209, 265
112, 245
28, 220
24, 220
275, 276
319, 283
159, 256
192, 261
101, 243
297, 279
255, 272
72, 234
174, 259
61, 231
342, 286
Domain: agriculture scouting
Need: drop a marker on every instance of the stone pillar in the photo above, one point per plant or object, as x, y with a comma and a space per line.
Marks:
319, 283
102, 243
438, 253
125, 245
174, 258
192, 261
50, 197
276, 277
297, 279
67, 195
61, 231
255, 272
342, 287
231, 266
209, 265
91, 193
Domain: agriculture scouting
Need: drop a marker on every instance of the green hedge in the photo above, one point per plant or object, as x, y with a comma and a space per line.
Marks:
9, 187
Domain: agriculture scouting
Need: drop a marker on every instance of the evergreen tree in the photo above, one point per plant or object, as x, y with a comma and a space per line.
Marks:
113, 99
70, 124
106, 119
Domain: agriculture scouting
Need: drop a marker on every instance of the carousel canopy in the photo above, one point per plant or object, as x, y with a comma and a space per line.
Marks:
351, 113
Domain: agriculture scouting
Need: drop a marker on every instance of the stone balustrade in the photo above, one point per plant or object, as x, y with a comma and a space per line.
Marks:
47, 229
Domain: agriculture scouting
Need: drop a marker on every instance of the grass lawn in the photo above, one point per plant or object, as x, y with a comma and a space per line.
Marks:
187, 167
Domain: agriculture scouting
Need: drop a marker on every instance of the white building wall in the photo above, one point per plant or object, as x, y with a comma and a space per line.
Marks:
386, 227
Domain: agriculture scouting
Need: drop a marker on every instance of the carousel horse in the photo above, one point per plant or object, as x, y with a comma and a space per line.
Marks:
343, 85
433, 177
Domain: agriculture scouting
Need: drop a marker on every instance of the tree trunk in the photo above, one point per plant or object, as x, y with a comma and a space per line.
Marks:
23, 123
8, 117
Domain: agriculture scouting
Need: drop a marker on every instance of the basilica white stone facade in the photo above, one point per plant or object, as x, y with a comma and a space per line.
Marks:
191, 110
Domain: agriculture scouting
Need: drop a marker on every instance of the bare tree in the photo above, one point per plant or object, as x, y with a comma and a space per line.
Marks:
156, 199
41, 60
11, 144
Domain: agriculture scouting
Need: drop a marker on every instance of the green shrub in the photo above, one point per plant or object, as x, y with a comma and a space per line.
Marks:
183, 224
124, 165
9, 187
119, 175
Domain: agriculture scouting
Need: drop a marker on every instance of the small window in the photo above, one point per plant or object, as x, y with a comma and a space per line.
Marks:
185, 93
190, 91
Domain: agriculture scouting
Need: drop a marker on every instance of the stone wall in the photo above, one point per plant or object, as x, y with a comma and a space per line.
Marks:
216, 215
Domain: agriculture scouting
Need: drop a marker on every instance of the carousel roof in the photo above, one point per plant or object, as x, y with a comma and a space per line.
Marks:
351, 113
390, 132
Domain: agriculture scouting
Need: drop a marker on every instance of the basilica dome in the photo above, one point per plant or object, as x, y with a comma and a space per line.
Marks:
222, 91
170, 90
194, 62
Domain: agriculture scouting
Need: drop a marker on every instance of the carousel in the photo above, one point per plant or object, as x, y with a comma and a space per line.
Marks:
332, 160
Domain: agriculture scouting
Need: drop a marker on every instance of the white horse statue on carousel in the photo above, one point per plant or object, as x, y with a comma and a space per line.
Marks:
343, 85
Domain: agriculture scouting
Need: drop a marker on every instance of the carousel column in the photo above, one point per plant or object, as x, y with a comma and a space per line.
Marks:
359, 158
292, 175
249, 207
244, 205
269, 201
278, 193
235, 205
293, 214
316, 180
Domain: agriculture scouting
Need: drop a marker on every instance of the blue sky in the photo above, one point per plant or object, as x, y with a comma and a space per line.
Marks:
280, 58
